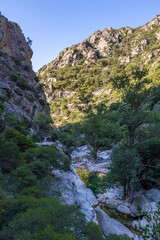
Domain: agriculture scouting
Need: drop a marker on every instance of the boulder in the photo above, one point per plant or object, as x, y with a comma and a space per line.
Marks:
99, 168
124, 209
153, 195
73, 191
110, 225
139, 206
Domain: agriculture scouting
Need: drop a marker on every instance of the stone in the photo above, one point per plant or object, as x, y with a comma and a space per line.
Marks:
101, 198
81, 157
19, 88
124, 209
118, 193
141, 203
153, 195
99, 168
73, 191
109, 225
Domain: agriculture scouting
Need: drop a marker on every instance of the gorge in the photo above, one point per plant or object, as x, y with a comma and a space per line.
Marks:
104, 99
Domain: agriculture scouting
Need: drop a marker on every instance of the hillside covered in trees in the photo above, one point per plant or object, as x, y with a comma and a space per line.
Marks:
81, 76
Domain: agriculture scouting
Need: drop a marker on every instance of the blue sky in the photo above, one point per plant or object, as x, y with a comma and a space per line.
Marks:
56, 24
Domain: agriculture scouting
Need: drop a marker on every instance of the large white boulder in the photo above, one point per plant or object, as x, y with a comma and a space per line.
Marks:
110, 225
73, 191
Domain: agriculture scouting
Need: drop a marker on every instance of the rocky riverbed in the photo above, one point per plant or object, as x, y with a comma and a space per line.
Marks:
74, 191
112, 199
82, 158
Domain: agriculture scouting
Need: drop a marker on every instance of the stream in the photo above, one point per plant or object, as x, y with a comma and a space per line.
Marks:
125, 219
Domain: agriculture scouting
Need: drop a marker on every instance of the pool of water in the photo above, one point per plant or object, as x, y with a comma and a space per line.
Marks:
125, 219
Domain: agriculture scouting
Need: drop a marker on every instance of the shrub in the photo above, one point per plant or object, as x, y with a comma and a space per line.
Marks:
12, 122
50, 155
10, 156
19, 139
22, 177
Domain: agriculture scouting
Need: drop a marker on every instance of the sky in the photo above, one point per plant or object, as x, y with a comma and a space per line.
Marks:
53, 25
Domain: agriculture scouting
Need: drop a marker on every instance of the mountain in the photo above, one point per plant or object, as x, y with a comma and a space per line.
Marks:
20, 90
80, 76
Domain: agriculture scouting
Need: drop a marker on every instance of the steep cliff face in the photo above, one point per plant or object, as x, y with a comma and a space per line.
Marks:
80, 75
19, 87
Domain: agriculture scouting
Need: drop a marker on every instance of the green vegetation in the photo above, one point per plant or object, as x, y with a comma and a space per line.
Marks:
79, 82
21, 83
43, 124
139, 127
106, 103
93, 181
100, 132
151, 230
26, 210
130, 127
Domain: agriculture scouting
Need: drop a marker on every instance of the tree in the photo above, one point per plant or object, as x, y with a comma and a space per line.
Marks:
135, 121
29, 41
99, 133
43, 124
19, 139
125, 168
49, 156
10, 156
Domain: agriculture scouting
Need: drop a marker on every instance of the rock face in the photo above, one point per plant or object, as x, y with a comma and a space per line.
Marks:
73, 191
83, 70
19, 87
82, 158
13, 42
110, 225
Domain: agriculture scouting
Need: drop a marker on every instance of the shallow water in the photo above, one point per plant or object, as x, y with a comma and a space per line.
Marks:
125, 219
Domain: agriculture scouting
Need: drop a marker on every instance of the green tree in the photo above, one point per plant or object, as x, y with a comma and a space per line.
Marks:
19, 139
135, 121
10, 156
46, 158
125, 168
42, 123
99, 133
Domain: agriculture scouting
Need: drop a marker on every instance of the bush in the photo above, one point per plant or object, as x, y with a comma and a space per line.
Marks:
12, 122
22, 177
21, 83
38, 218
19, 139
10, 156
50, 155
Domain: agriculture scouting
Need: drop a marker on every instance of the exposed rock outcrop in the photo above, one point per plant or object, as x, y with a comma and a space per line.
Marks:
73, 191
82, 158
19, 87
110, 225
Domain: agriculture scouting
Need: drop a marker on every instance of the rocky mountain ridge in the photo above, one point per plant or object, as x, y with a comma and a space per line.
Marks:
20, 91
99, 45
80, 74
